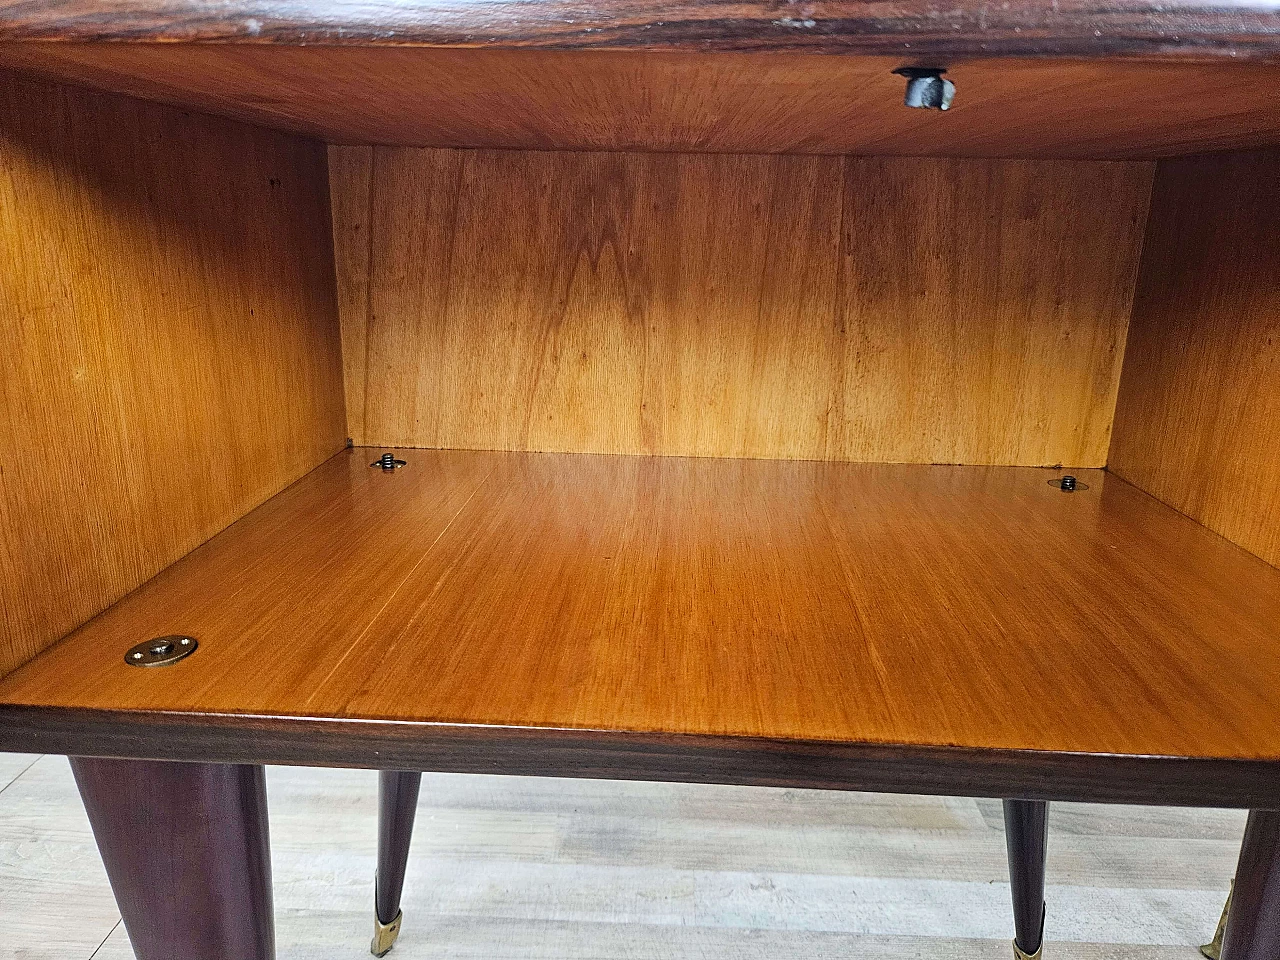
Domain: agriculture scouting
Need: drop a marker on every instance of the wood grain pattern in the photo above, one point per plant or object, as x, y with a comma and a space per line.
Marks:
790, 614
730, 102
169, 354
1188, 28
350, 186
780, 307
1198, 422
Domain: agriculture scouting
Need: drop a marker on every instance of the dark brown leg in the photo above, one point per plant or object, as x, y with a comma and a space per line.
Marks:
186, 849
397, 806
1253, 918
1026, 833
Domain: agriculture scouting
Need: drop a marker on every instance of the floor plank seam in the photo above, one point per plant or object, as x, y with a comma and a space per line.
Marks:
20, 773
98, 949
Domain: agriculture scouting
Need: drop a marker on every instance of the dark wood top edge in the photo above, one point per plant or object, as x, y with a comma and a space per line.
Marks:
684, 758
914, 29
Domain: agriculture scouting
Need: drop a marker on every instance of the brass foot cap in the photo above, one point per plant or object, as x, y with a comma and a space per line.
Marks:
1020, 954
384, 935
1213, 949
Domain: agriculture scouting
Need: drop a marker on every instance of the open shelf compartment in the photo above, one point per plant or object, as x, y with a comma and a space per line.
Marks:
471, 596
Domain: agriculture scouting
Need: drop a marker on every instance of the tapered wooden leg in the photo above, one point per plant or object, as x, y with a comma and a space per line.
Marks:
187, 852
1026, 832
397, 806
1253, 917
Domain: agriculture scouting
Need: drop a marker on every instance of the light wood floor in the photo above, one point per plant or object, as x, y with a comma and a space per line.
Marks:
528, 868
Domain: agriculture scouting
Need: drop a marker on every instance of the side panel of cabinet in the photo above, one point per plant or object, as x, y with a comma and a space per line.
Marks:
169, 353
1198, 420
878, 309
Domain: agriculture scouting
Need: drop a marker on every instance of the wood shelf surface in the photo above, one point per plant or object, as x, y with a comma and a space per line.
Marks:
512, 603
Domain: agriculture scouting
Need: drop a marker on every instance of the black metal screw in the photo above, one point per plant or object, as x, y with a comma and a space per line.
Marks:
387, 461
1068, 484
927, 88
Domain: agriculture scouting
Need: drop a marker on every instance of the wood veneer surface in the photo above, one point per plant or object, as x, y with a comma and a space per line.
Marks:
169, 352
878, 309
351, 184
1198, 424
923, 606
1190, 28
726, 102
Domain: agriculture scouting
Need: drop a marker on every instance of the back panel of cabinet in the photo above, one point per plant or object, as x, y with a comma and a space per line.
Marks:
878, 309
